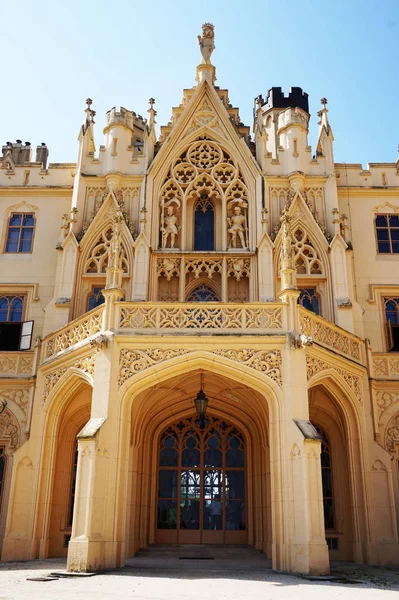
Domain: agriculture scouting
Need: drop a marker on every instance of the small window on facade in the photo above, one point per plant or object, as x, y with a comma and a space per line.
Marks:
310, 299
15, 334
73, 485
20, 233
391, 307
326, 479
204, 224
96, 298
387, 231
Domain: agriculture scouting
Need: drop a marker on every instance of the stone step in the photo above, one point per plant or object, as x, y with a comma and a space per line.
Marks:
200, 551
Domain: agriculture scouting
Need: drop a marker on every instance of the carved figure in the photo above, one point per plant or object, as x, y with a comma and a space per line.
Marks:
206, 42
236, 225
169, 228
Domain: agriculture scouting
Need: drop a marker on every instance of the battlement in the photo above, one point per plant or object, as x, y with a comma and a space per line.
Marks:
17, 153
125, 117
276, 99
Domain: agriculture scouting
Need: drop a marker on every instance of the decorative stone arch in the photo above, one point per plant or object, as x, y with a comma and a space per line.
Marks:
204, 281
310, 250
187, 172
68, 410
341, 418
93, 258
136, 407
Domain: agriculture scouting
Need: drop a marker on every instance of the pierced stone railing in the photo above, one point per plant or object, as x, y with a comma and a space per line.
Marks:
75, 332
329, 335
13, 364
188, 317
385, 365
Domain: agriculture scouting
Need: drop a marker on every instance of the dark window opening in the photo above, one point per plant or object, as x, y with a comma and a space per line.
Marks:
20, 233
326, 478
15, 336
96, 298
310, 299
204, 224
332, 543
73, 486
387, 231
391, 306
203, 293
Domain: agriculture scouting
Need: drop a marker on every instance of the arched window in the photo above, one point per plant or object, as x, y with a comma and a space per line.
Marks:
326, 478
310, 299
391, 306
203, 293
204, 224
96, 298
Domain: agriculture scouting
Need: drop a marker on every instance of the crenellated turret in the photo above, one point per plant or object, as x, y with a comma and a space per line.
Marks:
283, 121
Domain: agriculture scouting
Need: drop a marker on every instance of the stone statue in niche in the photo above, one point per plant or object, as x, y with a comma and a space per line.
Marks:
206, 42
169, 223
237, 227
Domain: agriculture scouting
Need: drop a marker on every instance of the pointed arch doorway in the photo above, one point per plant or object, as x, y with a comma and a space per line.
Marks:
201, 494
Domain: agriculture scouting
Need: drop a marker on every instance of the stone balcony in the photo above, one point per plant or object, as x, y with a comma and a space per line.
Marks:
138, 319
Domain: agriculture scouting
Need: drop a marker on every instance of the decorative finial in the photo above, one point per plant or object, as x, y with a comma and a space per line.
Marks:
206, 42
151, 102
324, 102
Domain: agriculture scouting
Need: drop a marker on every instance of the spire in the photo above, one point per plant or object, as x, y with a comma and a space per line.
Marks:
323, 114
206, 69
152, 112
90, 114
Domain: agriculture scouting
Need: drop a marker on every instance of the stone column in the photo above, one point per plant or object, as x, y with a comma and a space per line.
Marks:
303, 548
97, 540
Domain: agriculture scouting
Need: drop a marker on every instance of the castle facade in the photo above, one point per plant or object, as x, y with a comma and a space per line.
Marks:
199, 337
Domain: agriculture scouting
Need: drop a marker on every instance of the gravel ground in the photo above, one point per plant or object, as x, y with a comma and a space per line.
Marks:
356, 582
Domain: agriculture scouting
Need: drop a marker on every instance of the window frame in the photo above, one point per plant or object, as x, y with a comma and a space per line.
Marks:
388, 326
21, 227
388, 229
91, 293
316, 293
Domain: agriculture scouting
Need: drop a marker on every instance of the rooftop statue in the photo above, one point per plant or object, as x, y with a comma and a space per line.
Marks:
206, 42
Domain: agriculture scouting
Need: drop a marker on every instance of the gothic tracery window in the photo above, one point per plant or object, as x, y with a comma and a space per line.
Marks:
391, 307
203, 293
309, 299
204, 224
307, 261
202, 176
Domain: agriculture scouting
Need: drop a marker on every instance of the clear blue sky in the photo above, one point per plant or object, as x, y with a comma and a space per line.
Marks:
56, 53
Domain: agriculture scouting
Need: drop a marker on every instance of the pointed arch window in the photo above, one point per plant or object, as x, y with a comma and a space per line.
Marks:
96, 298
204, 224
203, 293
391, 306
309, 298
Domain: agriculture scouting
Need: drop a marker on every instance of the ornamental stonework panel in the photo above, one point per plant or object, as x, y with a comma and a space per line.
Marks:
316, 365
86, 364
135, 361
392, 436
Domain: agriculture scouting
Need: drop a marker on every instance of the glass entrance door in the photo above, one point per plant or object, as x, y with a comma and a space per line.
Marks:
201, 484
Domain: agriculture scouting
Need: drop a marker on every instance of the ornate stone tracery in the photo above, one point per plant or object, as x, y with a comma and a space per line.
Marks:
9, 428
316, 365
392, 435
306, 258
99, 255
206, 174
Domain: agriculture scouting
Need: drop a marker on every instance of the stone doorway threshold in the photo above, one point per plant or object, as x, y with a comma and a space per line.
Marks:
190, 557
